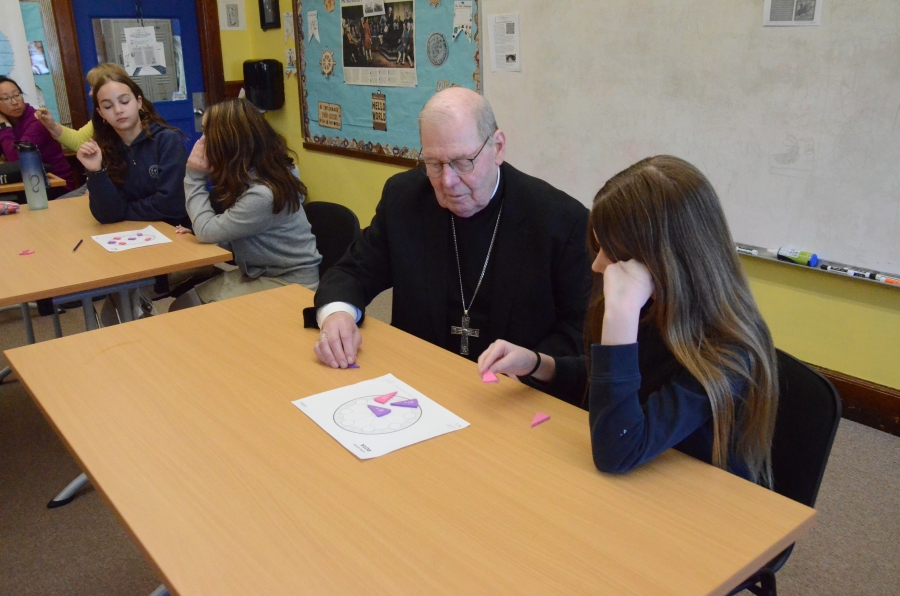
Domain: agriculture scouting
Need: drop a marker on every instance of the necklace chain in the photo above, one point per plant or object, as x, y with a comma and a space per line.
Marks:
483, 269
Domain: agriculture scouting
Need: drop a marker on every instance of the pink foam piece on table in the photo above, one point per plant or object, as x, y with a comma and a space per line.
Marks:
489, 377
385, 398
378, 411
538, 418
26, 252
407, 403
354, 365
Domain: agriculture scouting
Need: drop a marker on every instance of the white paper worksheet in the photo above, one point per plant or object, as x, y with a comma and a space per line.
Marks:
378, 416
119, 241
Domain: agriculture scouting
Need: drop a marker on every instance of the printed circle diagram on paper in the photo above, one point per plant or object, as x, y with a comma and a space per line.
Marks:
365, 416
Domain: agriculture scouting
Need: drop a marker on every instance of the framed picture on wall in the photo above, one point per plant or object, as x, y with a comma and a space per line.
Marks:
269, 17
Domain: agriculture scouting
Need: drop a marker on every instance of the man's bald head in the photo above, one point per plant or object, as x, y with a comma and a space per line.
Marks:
457, 105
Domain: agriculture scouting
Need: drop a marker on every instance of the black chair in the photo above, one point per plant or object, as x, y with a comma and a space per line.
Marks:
335, 228
809, 410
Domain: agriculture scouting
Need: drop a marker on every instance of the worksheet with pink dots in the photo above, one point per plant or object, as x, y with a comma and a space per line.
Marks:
119, 241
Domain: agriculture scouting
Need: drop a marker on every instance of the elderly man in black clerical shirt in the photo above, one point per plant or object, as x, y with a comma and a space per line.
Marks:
474, 249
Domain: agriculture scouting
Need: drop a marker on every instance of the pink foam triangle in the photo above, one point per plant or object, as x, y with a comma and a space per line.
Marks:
386, 397
489, 377
378, 411
538, 418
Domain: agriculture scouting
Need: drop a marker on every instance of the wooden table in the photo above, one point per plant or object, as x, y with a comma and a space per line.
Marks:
185, 425
54, 270
55, 181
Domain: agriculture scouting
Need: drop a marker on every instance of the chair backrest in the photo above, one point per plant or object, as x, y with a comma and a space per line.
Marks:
335, 228
809, 410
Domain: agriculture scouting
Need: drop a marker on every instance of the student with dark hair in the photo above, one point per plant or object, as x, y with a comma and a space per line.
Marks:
17, 123
135, 163
260, 198
679, 355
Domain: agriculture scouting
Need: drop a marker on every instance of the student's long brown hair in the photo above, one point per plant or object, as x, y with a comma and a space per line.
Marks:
115, 154
243, 148
665, 214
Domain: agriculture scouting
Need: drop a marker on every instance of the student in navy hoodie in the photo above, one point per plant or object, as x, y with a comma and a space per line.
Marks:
135, 163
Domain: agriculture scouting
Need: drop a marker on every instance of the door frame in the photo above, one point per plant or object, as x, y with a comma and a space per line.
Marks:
210, 56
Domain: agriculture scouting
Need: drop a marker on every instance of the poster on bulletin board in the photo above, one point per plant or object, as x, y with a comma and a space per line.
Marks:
368, 66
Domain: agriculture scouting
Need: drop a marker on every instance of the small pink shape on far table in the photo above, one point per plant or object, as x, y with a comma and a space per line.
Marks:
489, 377
386, 397
538, 418
26, 252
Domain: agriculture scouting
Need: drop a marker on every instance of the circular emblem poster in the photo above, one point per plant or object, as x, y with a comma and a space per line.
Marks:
437, 49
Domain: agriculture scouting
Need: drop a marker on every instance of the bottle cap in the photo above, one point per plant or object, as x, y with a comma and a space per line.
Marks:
25, 146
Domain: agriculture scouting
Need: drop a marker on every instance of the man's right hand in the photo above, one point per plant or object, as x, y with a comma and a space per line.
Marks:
338, 341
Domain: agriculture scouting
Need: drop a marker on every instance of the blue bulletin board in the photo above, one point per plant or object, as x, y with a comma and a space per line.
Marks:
366, 68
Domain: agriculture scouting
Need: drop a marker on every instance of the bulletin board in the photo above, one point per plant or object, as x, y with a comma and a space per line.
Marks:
366, 68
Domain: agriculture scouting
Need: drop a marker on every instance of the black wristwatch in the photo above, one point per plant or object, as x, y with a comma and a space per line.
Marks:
5, 125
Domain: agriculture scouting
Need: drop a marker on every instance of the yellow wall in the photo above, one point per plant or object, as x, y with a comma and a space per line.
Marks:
848, 325
843, 324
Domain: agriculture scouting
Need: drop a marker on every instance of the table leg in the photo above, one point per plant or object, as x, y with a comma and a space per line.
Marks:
26, 318
160, 591
125, 314
68, 493
90, 317
57, 327
5, 373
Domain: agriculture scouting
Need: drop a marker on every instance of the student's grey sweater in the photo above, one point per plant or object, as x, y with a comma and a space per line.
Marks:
279, 245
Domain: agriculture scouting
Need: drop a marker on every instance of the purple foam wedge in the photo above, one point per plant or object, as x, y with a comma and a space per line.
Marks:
378, 411
407, 403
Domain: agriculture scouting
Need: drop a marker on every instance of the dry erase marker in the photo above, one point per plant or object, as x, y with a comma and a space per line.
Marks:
747, 251
77, 245
848, 271
886, 279
840, 270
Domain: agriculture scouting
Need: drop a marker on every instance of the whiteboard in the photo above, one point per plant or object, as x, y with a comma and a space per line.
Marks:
798, 128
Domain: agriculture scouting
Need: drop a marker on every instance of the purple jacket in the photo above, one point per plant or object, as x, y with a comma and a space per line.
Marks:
29, 128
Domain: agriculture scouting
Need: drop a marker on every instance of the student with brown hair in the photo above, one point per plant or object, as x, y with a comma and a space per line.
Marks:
262, 219
70, 138
135, 163
679, 355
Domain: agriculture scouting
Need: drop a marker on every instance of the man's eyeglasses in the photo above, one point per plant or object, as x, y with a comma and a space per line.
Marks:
461, 165
12, 98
